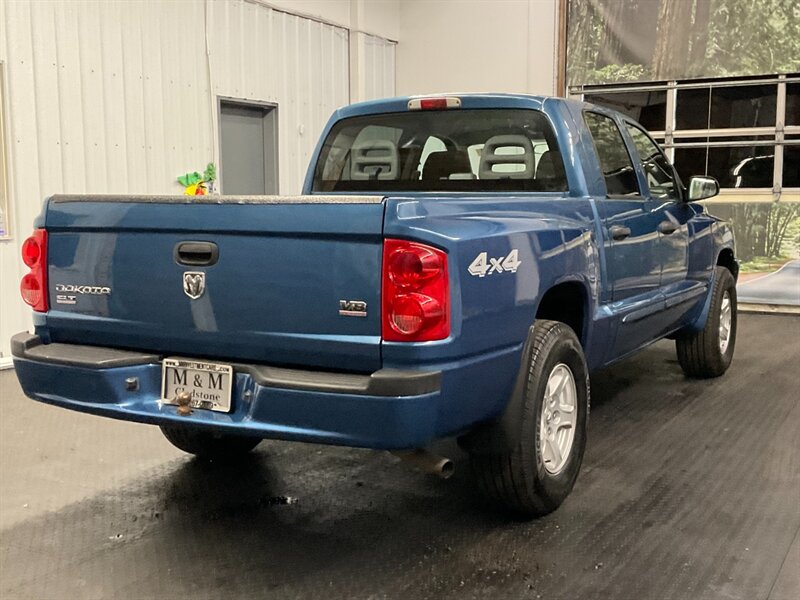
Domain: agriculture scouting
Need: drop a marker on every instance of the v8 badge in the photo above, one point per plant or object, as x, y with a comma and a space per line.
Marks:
483, 265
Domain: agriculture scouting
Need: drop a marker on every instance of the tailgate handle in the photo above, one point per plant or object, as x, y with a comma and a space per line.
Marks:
196, 254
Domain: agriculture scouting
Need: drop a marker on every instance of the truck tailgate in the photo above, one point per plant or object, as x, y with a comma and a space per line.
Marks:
271, 294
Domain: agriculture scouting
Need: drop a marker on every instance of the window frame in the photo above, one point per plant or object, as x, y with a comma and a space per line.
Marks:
678, 182
625, 142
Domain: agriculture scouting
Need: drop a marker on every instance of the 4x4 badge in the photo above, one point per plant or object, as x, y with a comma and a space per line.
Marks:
483, 265
194, 284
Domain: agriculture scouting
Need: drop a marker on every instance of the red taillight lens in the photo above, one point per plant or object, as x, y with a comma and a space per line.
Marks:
433, 104
33, 286
31, 251
411, 267
31, 289
416, 292
442, 103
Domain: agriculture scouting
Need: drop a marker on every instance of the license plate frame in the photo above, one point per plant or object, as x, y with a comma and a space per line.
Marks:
210, 383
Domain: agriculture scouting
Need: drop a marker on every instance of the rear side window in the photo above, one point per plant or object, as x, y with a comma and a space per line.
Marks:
660, 174
613, 155
452, 150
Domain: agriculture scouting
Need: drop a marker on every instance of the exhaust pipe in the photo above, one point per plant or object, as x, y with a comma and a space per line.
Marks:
427, 462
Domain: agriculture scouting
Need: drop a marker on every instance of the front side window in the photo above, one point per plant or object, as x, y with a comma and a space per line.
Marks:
660, 174
451, 150
613, 155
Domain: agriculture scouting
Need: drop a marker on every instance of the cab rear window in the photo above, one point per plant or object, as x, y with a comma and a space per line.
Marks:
453, 150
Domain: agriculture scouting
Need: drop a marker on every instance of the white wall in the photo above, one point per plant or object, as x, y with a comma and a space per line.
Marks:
379, 57
121, 97
380, 18
477, 45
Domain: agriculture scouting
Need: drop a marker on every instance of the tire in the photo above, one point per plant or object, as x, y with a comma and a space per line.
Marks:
207, 444
528, 481
709, 352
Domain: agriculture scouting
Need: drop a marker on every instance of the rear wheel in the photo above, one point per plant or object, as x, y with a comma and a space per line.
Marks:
208, 444
709, 352
537, 475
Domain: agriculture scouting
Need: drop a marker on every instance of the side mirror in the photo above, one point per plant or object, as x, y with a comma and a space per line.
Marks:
702, 187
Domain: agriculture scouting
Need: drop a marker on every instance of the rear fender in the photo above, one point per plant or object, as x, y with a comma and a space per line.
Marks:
503, 434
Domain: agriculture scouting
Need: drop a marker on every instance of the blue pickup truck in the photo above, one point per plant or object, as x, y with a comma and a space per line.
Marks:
455, 267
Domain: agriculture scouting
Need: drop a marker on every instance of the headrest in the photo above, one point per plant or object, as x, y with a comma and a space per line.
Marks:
375, 159
442, 164
501, 150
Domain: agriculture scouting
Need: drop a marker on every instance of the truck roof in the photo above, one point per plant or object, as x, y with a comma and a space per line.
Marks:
468, 100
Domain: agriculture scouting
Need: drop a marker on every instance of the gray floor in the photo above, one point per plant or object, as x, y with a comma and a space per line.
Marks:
780, 287
690, 489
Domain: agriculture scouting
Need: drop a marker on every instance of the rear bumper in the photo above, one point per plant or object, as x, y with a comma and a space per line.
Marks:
389, 409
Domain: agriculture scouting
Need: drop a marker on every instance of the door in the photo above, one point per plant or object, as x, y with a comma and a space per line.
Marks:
685, 240
633, 263
249, 148
663, 188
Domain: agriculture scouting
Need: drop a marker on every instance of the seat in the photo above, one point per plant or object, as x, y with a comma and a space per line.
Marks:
550, 171
507, 150
444, 163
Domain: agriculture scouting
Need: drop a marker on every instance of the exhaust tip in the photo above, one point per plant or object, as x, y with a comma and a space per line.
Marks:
428, 462
447, 469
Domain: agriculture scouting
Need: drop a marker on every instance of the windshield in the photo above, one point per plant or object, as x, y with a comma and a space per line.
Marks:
453, 150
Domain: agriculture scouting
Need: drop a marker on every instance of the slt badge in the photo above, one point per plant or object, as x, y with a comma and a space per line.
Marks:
194, 284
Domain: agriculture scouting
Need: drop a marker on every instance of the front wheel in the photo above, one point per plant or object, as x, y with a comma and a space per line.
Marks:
709, 352
536, 476
208, 444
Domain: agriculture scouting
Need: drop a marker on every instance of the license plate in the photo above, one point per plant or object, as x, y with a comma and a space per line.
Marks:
210, 384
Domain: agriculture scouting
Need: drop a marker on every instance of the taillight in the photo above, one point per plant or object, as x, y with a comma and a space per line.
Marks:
34, 285
442, 103
416, 292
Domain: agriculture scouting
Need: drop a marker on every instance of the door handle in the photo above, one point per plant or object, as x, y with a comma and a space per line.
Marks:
196, 254
619, 232
667, 227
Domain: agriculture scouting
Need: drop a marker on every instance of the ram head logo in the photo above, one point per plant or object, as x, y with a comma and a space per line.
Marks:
194, 284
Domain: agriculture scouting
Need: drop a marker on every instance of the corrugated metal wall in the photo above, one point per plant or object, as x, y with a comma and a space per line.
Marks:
379, 67
299, 64
116, 97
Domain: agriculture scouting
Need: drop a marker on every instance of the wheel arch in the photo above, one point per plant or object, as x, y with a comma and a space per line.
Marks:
567, 301
726, 258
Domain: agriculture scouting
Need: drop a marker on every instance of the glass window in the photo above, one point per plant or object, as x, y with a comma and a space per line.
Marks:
793, 104
742, 166
656, 167
744, 106
648, 108
791, 164
691, 108
613, 155
747, 166
690, 161
453, 150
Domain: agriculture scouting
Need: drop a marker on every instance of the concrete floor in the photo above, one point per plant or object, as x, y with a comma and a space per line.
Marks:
689, 489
